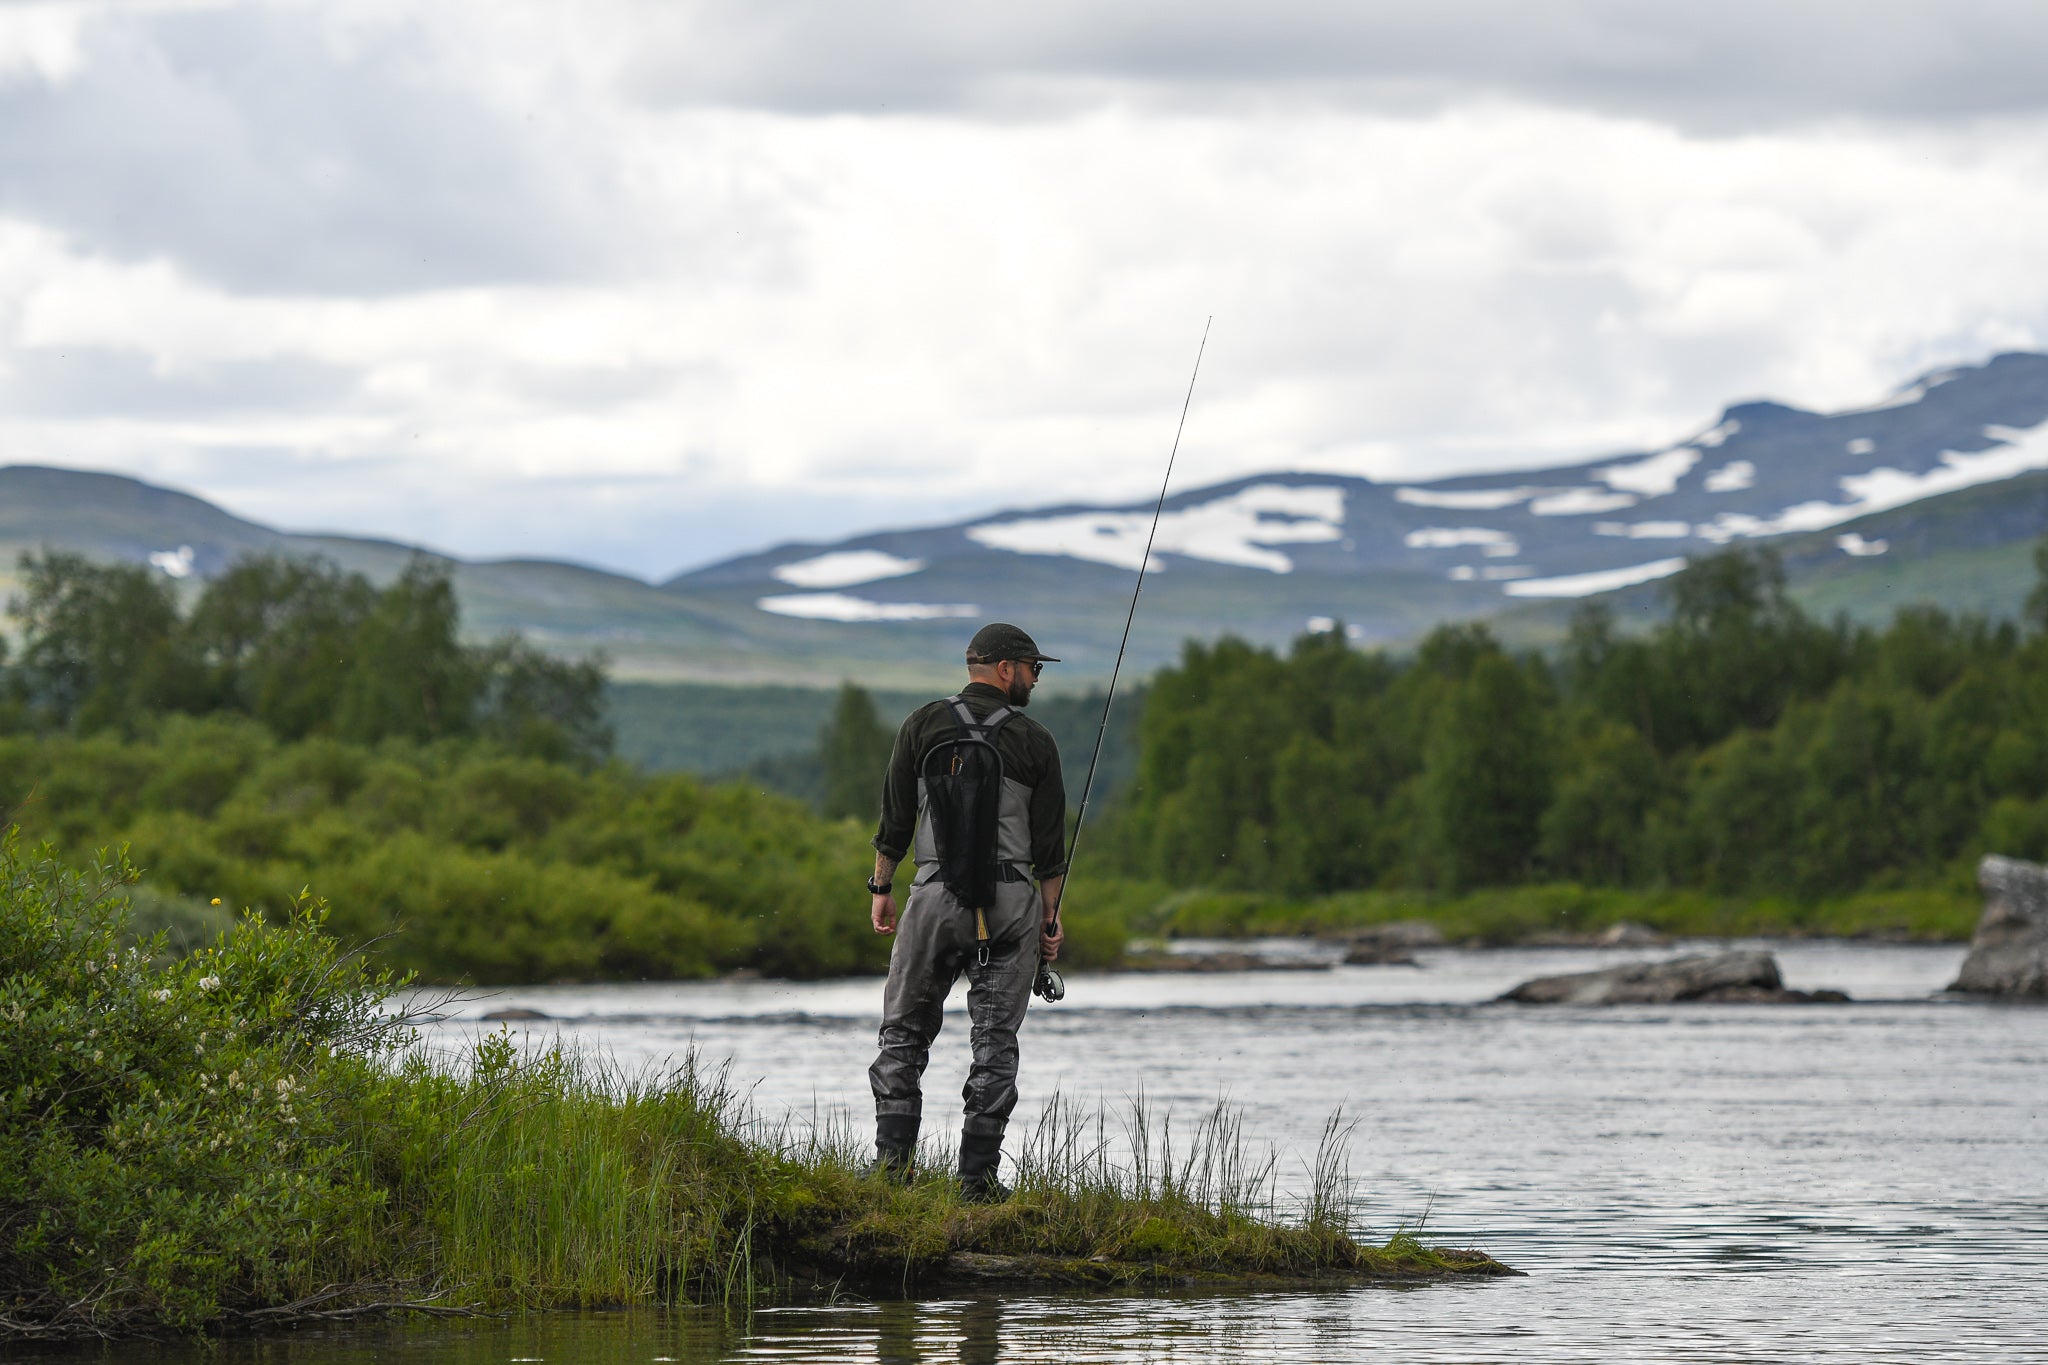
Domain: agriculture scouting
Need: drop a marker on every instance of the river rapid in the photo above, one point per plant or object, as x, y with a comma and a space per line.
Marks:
1864, 1182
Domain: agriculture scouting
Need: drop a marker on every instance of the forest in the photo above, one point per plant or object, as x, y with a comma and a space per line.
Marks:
1740, 747
290, 726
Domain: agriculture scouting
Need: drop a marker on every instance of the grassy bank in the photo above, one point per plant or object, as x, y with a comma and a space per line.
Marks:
240, 1137
1522, 914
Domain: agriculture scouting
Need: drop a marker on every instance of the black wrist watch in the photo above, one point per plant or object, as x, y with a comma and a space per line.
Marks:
876, 888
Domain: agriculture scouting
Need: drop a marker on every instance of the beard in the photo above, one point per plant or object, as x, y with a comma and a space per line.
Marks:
1020, 692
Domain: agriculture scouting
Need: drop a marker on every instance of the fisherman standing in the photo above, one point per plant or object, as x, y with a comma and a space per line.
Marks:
979, 784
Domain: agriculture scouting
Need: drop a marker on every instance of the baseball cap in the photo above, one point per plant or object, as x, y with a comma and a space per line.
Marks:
996, 642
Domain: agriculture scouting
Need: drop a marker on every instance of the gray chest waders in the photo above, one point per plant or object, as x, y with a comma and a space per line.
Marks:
963, 787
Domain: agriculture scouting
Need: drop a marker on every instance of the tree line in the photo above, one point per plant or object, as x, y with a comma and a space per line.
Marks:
1741, 745
300, 646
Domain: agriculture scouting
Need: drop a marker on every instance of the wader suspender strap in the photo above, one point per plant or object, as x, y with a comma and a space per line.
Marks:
984, 730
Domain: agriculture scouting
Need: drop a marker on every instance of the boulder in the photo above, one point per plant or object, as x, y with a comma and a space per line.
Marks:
2009, 952
1628, 934
1390, 944
1744, 977
513, 1016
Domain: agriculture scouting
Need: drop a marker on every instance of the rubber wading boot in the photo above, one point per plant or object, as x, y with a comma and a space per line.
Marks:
895, 1147
980, 1155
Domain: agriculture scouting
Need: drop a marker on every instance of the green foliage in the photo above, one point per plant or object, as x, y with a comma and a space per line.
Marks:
853, 749
236, 1138
476, 864
1740, 747
1485, 778
465, 862
300, 646
167, 1152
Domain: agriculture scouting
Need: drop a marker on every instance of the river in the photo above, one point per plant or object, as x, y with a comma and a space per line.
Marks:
1863, 1182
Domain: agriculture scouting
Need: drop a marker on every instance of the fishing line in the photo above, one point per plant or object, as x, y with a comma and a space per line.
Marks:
1049, 985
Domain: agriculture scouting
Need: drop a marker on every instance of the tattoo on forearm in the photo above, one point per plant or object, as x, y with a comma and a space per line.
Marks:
885, 868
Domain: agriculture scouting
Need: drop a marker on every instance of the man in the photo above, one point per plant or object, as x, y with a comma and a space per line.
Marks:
997, 944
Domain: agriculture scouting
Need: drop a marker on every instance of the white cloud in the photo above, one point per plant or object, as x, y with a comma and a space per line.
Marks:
602, 281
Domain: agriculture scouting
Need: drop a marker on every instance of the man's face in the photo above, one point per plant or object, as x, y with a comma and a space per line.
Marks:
1017, 680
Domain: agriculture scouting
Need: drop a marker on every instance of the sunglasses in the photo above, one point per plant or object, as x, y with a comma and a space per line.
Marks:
1037, 666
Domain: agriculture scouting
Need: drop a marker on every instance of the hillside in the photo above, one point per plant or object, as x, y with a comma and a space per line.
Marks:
1933, 494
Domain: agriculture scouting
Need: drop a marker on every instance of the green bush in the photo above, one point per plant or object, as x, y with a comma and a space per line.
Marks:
166, 1149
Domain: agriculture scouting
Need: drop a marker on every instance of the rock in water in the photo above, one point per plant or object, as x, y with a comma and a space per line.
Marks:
1744, 977
2009, 952
1629, 934
1390, 944
513, 1016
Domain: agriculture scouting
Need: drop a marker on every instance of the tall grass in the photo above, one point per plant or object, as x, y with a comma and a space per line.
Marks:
247, 1136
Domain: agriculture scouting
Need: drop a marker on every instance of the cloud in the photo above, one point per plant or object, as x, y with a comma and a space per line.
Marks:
272, 151
649, 284
1737, 64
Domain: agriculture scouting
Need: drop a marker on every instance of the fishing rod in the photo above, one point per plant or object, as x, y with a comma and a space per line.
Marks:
1049, 986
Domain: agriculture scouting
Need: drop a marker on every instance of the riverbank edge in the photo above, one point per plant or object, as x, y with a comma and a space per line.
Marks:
984, 1271
1560, 914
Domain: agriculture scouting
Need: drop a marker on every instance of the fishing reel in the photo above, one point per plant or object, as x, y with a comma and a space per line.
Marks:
1049, 986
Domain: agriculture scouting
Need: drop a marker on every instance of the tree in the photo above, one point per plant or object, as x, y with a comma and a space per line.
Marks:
408, 676
542, 707
1485, 778
2037, 600
1594, 829
101, 643
281, 638
853, 749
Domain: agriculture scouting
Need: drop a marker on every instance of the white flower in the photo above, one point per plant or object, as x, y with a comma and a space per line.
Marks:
164, 994
209, 983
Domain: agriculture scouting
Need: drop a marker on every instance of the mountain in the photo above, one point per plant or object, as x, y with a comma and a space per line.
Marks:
1930, 493
1935, 493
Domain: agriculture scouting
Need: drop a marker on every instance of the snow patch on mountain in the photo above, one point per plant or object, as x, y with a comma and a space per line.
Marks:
1465, 499
1603, 580
1450, 537
1651, 478
1238, 529
1732, 477
1579, 502
1644, 530
838, 606
1714, 436
845, 568
1884, 487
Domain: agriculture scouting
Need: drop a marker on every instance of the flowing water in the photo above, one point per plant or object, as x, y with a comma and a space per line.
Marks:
1863, 1182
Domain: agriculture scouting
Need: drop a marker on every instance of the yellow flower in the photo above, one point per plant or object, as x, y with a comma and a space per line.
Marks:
216, 900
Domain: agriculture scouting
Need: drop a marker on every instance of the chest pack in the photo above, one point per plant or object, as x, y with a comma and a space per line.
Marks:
962, 778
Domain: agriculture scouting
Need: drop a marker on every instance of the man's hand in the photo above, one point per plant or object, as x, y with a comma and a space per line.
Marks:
1050, 937
883, 914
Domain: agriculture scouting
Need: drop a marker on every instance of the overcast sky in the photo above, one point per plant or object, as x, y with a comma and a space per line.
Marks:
648, 284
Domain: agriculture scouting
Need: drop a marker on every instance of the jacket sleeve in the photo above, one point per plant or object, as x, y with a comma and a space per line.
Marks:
899, 795
1049, 818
